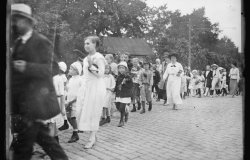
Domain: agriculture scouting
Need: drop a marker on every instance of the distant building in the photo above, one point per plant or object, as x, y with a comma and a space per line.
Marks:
133, 47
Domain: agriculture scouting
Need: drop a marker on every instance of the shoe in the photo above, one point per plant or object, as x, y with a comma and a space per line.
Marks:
157, 100
89, 145
126, 117
108, 119
150, 106
139, 106
175, 107
134, 109
74, 137
80, 131
142, 111
121, 124
102, 122
64, 126
165, 101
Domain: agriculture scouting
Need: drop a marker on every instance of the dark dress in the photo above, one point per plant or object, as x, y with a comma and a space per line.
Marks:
208, 79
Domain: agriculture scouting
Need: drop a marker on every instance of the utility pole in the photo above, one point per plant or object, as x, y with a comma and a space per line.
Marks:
189, 43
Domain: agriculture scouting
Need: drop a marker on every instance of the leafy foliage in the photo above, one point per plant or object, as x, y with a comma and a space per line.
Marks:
67, 22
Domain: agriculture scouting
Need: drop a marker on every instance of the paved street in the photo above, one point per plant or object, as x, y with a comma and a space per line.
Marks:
204, 129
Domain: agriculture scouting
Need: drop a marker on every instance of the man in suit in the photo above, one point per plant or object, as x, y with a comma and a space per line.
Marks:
33, 98
208, 75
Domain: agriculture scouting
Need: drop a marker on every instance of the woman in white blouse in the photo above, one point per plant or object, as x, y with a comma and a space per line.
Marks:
234, 79
173, 76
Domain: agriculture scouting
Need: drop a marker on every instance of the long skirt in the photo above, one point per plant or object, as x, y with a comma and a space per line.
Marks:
233, 86
90, 104
173, 90
163, 92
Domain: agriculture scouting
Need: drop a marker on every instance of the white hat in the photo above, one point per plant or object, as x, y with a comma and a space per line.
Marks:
214, 65
194, 71
123, 63
62, 66
77, 66
23, 10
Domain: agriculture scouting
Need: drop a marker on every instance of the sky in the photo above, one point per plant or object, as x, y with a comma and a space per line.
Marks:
225, 12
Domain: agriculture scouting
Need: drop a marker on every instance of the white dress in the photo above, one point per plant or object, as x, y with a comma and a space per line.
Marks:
73, 87
58, 82
110, 83
173, 83
91, 95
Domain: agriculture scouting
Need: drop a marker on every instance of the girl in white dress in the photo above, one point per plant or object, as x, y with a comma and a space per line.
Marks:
173, 76
92, 93
73, 86
110, 87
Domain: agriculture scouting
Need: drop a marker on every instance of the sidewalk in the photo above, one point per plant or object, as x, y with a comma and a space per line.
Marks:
204, 129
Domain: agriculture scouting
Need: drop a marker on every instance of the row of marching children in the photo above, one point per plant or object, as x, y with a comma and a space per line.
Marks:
215, 81
94, 86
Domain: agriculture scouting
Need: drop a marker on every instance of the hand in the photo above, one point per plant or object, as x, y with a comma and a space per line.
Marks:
178, 74
20, 65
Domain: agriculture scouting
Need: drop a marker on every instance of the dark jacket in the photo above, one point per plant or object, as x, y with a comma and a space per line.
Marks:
156, 77
32, 92
124, 90
209, 77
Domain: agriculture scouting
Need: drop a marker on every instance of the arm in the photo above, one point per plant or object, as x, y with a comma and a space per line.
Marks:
180, 73
100, 62
151, 80
165, 75
238, 75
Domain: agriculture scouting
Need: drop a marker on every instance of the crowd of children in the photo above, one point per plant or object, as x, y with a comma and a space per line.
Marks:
131, 83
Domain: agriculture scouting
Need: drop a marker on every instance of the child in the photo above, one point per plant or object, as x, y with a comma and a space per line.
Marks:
58, 82
135, 72
146, 83
183, 86
123, 88
110, 86
202, 83
156, 80
110, 60
223, 83
192, 86
73, 86
198, 82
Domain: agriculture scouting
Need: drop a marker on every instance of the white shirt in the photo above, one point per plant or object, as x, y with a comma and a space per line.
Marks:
173, 69
234, 73
73, 87
216, 73
27, 36
58, 81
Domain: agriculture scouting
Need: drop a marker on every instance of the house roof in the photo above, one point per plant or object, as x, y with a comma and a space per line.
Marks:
134, 47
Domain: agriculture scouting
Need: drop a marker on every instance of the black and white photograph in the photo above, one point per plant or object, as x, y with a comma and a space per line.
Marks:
125, 80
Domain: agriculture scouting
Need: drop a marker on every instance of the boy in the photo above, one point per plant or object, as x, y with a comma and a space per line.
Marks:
146, 83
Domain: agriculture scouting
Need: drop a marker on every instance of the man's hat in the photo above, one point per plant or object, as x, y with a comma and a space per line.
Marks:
22, 10
214, 65
165, 54
173, 55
